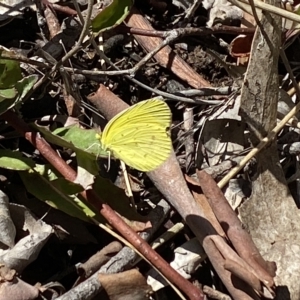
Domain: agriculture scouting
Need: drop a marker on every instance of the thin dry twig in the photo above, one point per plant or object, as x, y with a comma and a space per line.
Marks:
272, 134
244, 5
166, 57
75, 49
263, 143
199, 31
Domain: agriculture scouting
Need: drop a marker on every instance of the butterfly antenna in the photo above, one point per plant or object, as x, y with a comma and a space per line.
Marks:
127, 183
91, 146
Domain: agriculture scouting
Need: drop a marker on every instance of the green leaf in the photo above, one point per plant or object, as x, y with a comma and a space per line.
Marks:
25, 85
10, 71
47, 185
86, 145
75, 138
82, 139
11, 97
111, 16
14, 160
43, 182
8, 94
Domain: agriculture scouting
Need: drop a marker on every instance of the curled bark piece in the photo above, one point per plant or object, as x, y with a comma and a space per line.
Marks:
112, 104
94, 263
242, 273
240, 239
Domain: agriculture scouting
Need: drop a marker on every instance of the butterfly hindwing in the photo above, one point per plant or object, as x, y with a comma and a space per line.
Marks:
139, 135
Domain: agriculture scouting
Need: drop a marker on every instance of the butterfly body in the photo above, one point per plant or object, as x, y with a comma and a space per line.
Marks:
139, 135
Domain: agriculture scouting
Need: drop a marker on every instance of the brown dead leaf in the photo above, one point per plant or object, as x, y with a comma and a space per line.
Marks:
128, 285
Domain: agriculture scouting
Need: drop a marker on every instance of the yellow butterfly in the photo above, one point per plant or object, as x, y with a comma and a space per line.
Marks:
139, 135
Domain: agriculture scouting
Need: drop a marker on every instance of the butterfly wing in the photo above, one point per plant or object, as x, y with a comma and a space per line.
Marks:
139, 135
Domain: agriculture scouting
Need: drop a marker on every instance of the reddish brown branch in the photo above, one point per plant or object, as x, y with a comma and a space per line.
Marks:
114, 220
